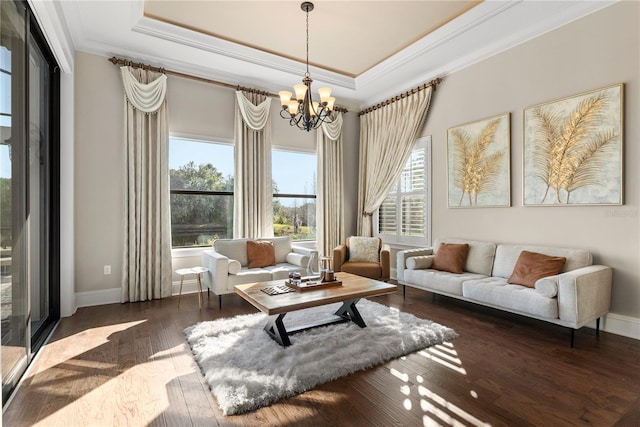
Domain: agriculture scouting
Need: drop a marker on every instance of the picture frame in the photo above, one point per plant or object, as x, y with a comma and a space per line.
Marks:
573, 150
479, 163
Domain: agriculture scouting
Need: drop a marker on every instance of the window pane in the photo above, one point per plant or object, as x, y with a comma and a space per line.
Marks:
198, 220
413, 223
412, 178
388, 216
198, 165
294, 173
294, 217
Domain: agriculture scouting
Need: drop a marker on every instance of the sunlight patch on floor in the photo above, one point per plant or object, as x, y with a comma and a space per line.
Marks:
437, 410
446, 356
432, 402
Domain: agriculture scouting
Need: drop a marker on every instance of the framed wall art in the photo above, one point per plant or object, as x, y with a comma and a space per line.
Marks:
478, 163
573, 150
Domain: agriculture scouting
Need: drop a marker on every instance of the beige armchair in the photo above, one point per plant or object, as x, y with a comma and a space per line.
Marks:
364, 256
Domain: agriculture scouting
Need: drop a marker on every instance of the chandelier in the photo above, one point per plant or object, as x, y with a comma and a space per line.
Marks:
304, 112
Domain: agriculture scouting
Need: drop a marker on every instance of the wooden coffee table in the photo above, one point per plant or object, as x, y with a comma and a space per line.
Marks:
277, 306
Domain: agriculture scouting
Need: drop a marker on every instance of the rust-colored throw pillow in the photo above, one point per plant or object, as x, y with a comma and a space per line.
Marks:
260, 254
532, 266
451, 257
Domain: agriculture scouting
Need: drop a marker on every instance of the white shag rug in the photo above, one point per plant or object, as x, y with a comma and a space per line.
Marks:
247, 370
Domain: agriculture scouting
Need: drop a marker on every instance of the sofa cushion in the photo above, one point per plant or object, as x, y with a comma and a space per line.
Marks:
439, 281
247, 275
507, 256
234, 266
282, 246
260, 254
480, 257
232, 248
451, 257
532, 266
418, 262
364, 249
496, 292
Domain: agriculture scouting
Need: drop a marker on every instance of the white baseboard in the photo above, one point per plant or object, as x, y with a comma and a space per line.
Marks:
112, 296
101, 297
620, 325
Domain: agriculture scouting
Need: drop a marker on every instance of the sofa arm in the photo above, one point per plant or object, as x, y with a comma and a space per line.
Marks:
385, 262
217, 277
403, 256
584, 294
339, 256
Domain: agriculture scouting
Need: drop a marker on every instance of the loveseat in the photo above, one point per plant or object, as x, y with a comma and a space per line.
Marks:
228, 263
577, 295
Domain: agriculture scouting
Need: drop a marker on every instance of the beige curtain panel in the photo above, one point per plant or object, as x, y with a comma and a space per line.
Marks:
252, 202
147, 241
330, 201
387, 136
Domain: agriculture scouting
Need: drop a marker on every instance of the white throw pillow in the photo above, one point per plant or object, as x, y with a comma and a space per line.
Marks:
364, 249
420, 262
547, 286
234, 266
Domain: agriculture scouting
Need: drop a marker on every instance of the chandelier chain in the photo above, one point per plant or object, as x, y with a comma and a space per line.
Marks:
307, 41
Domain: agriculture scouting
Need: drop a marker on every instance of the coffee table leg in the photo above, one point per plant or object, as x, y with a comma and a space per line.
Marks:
276, 330
349, 311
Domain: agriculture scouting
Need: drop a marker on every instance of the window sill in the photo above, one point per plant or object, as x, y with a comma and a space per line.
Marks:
188, 252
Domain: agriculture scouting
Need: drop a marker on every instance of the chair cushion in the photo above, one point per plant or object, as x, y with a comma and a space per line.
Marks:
451, 257
260, 254
532, 266
366, 269
364, 249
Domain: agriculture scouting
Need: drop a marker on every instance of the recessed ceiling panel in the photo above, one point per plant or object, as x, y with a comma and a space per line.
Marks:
348, 37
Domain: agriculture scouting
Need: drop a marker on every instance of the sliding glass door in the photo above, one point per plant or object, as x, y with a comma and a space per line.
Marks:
29, 193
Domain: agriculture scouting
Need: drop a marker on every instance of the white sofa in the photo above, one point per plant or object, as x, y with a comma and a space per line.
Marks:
578, 295
227, 263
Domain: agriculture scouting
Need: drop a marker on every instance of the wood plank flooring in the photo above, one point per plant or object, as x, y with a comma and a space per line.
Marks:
129, 365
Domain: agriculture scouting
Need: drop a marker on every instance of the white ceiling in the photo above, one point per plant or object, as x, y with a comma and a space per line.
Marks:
366, 51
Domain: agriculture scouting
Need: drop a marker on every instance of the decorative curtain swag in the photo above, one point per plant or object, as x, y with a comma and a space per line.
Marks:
333, 129
148, 97
254, 116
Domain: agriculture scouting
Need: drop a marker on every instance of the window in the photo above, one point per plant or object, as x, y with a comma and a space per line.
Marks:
294, 194
405, 214
201, 183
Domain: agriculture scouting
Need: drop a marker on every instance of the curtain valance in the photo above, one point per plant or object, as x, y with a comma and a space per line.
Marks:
145, 97
254, 116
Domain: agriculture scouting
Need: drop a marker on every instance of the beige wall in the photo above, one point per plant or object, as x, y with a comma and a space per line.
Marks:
599, 50
195, 108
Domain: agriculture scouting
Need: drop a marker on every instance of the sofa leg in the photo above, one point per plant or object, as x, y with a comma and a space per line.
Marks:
404, 291
573, 331
220, 302
598, 326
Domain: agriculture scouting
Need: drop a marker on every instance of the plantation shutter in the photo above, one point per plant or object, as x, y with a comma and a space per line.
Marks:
413, 195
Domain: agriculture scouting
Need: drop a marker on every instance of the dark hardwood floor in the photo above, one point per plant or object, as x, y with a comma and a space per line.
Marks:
128, 364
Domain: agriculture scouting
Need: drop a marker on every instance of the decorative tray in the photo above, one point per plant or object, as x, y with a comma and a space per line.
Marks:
311, 285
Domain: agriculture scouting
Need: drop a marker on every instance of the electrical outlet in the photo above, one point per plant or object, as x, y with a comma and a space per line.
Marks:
107, 269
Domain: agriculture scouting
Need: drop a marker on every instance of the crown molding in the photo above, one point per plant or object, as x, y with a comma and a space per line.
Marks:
245, 54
